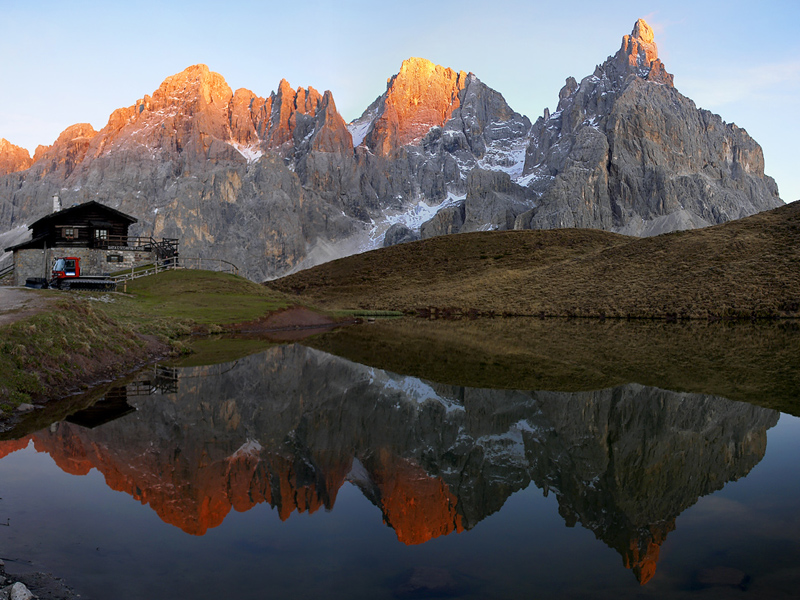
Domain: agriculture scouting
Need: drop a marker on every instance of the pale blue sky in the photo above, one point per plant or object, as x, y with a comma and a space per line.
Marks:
68, 62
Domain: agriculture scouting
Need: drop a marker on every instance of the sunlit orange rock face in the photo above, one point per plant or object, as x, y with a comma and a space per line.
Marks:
417, 506
189, 491
288, 105
421, 96
641, 52
13, 158
66, 153
196, 495
642, 555
195, 113
9, 446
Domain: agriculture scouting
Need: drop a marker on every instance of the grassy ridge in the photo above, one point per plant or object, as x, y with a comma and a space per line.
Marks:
745, 268
197, 298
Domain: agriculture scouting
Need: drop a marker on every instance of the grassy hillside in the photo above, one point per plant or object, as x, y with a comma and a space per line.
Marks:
746, 268
196, 298
87, 336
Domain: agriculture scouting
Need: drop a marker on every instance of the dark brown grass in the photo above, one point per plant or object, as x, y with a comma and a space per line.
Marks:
748, 268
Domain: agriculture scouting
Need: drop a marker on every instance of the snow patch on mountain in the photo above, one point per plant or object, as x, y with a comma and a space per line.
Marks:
509, 446
361, 126
250, 153
419, 392
502, 156
413, 216
249, 448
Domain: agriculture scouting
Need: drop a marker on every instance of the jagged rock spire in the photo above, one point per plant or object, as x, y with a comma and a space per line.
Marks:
13, 158
639, 55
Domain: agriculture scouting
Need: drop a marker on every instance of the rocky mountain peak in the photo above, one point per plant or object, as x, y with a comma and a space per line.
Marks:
421, 96
626, 152
639, 53
192, 84
643, 32
13, 158
67, 151
288, 107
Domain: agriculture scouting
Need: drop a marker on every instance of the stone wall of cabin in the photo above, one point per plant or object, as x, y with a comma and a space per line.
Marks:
31, 263
34, 263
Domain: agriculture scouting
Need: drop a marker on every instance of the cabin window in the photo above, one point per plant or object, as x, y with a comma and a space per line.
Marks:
69, 233
101, 234
114, 258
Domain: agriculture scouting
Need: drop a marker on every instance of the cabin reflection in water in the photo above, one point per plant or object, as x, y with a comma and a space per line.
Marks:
291, 425
113, 405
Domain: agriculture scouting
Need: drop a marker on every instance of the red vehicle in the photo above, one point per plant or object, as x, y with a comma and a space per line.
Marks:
66, 274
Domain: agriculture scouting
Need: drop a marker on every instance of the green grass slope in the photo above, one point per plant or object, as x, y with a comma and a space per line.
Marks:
745, 268
86, 336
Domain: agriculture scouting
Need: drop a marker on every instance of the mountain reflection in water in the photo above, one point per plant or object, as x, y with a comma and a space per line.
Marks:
291, 425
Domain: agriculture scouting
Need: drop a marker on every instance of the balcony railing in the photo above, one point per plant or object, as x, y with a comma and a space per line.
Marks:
163, 248
207, 264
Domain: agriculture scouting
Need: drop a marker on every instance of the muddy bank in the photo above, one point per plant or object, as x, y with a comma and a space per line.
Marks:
28, 585
19, 303
290, 324
293, 317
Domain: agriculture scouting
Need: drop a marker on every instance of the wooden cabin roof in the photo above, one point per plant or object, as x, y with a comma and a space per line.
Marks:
74, 211
90, 214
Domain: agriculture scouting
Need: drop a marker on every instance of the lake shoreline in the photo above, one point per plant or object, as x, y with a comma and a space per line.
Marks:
42, 585
286, 324
75, 341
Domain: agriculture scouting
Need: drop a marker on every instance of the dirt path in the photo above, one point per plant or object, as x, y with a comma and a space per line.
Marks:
17, 303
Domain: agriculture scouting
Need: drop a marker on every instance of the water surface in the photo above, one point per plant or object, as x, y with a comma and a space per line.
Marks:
294, 472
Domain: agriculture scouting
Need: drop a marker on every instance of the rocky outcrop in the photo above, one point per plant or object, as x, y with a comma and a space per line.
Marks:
448, 220
281, 183
399, 234
626, 152
421, 139
420, 97
291, 425
13, 158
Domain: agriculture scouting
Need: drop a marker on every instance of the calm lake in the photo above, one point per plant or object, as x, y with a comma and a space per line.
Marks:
295, 472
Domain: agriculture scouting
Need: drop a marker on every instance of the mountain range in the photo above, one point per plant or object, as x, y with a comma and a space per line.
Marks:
281, 183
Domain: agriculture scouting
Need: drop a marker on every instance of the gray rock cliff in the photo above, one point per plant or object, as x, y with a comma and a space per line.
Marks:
626, 152
281, 183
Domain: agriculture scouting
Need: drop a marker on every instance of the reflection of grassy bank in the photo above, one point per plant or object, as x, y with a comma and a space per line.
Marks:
212, 350
757, 363
742, 269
